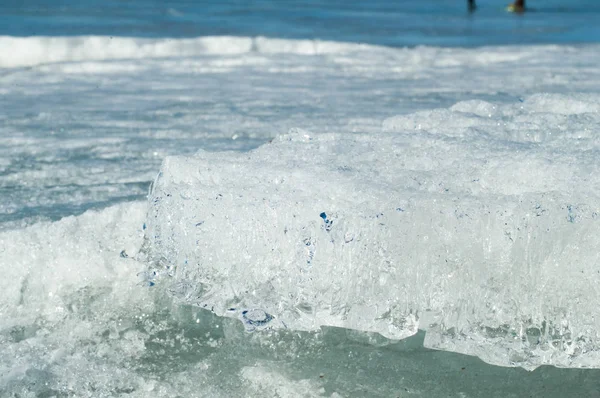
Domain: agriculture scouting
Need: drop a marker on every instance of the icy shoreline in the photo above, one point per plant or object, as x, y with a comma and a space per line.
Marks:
470, 210
487, 136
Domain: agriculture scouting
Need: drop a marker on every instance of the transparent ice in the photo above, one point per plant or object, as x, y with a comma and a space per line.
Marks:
473, 223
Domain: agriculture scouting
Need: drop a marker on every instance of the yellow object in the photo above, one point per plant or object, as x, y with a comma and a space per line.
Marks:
514, 8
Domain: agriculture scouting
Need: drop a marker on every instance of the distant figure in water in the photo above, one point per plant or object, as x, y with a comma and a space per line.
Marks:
517, 6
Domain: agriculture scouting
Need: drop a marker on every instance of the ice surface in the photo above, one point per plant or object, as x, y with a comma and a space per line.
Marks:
46, 264
63, 285
478, 223
102, 334
86, 125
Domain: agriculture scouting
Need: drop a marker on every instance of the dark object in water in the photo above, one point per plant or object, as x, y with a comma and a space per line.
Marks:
517, 6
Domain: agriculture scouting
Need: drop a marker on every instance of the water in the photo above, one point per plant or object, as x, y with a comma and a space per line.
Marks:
384, 22
94, 96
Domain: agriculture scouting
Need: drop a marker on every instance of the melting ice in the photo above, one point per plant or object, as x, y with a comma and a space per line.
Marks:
473, 223
449, 190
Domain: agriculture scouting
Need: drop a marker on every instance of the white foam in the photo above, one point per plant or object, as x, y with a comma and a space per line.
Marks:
30, 51
37, 50
478, 223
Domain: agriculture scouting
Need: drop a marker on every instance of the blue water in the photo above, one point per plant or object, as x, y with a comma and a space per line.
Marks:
386, 22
